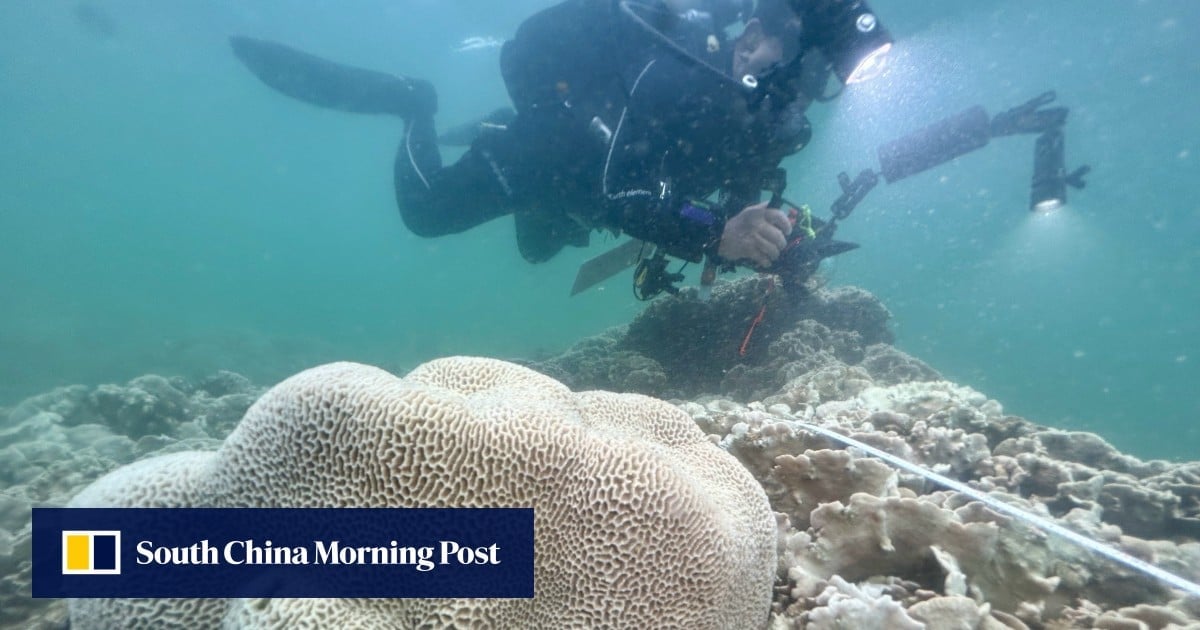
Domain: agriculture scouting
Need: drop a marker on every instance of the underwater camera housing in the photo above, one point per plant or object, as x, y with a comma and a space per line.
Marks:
811, 239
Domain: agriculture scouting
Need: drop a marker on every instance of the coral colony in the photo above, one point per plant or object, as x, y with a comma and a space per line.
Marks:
776, 521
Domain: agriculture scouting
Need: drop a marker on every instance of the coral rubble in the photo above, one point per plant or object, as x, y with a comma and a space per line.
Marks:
54, 444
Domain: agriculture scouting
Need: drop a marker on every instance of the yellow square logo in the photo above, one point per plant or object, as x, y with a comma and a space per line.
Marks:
91, 553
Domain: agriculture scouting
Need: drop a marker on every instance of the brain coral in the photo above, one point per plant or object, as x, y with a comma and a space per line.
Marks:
641, 521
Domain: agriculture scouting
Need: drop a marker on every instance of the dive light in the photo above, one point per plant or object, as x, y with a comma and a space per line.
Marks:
849, 35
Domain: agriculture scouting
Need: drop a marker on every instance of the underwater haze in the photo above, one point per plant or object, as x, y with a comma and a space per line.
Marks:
162, 211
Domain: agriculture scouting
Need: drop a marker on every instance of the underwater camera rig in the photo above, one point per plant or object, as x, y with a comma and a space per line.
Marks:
811, 239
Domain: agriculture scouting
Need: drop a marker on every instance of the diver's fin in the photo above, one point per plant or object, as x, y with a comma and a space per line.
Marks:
609, 264
465, 134
324, 83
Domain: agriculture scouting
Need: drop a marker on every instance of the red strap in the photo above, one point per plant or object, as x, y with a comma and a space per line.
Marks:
757, 318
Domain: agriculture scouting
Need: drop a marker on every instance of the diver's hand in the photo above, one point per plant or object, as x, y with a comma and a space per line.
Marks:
757, 234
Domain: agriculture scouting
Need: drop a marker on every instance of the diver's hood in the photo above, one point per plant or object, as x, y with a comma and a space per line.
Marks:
705, 31
842, 37
718, 13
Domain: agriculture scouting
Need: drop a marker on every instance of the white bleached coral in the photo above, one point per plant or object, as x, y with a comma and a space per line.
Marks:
823, 476
845, 605
474, 433
845, 519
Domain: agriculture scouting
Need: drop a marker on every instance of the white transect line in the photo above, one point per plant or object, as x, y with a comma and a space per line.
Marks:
1013, 511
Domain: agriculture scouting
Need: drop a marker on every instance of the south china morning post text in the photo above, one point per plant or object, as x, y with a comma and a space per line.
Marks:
251, 552
238, 552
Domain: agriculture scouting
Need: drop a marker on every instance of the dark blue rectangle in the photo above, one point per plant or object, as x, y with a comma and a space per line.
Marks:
104, 552
252, 552
696, 213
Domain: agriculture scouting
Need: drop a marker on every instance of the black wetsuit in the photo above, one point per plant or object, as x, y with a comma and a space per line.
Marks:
613, 130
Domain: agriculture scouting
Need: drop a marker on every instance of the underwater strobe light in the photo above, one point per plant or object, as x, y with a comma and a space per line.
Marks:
849, 34
1048, 191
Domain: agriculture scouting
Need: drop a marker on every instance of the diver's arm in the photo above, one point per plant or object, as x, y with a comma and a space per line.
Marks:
691, 230
683, 229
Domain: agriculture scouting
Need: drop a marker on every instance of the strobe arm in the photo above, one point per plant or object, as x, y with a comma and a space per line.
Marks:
934, 145
1030, 118
963, 133
853, 193
972, 130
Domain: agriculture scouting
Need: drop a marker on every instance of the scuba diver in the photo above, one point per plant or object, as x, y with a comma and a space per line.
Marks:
642, 118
